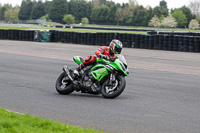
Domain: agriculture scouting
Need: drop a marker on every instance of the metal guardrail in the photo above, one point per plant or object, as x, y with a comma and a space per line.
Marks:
37, 21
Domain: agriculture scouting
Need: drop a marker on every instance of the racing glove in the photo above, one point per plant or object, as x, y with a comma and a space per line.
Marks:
103, 57
111, 59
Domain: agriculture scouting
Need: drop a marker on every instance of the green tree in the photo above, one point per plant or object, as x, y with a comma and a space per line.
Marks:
161, 9
90, 6
124, 13
12, 14
69, 19
102, 2
180, 18
99, 14
46, 17
162, 18
119, 15
79, 9
47, 5
57, 10
163, 4
187, 13
128, 12
22, 13
38, 10
149, 15
111, 14
108, 14
2, 12
157, 11
85, 21
140, 16
74, 9
25, 10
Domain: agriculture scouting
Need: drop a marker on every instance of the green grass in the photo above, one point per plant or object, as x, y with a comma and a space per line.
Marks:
11, 122
12, 27
71, 30
104, 31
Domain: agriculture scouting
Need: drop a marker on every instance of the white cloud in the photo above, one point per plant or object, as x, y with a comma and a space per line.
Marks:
13, 2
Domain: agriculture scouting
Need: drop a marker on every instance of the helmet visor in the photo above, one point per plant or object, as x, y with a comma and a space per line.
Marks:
118, 50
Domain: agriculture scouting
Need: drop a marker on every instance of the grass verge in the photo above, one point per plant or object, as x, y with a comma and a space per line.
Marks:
102, 31
72, 30
13, 28
11, 122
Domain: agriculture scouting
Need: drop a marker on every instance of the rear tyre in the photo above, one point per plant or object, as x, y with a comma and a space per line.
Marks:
116, 89
64, 85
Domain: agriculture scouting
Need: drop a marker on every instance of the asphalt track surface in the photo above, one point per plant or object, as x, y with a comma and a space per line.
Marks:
162, 93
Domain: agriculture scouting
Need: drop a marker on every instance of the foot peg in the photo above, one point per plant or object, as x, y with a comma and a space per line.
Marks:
76, 72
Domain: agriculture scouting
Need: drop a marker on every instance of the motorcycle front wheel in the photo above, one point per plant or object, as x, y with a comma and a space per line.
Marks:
64, 85
114, 90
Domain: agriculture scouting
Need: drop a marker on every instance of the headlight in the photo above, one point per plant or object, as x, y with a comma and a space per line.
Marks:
127, 70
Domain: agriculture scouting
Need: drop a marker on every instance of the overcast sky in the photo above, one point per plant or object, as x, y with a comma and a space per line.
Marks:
152, 3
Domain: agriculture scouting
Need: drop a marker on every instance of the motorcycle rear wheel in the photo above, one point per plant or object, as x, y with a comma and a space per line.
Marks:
115, 90
64, 85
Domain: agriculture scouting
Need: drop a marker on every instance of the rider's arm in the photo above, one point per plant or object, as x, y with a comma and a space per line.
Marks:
115, 57
99, 51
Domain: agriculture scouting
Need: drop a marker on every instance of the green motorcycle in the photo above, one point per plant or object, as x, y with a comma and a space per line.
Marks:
105, 77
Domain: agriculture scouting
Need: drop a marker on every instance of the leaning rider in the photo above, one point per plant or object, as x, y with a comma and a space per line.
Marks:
107, 53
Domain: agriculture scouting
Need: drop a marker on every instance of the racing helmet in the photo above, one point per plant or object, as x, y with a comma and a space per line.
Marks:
115, 47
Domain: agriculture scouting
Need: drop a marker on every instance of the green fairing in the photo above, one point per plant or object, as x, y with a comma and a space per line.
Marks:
102, 71
77, 59
119, 65
99, 73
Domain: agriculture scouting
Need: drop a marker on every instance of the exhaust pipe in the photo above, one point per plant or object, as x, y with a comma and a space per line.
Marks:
66, 70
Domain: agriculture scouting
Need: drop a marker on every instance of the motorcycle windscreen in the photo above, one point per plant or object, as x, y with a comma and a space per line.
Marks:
121, 58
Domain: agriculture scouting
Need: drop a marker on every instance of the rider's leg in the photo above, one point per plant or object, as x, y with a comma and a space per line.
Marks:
88, 61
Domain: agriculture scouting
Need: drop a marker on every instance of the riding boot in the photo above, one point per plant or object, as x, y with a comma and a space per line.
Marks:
78, 69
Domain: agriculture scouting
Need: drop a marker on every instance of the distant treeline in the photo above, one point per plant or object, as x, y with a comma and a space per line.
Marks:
100, 12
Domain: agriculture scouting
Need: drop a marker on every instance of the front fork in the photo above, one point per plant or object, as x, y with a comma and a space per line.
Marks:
112, 79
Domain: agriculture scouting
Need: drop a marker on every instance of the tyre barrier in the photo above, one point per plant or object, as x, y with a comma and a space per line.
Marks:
174, 33
183, 43
22, 35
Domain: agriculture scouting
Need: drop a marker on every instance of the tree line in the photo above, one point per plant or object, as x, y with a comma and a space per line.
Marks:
100, 12
7, 12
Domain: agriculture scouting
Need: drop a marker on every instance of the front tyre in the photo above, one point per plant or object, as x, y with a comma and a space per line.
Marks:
64, 85
114, 90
